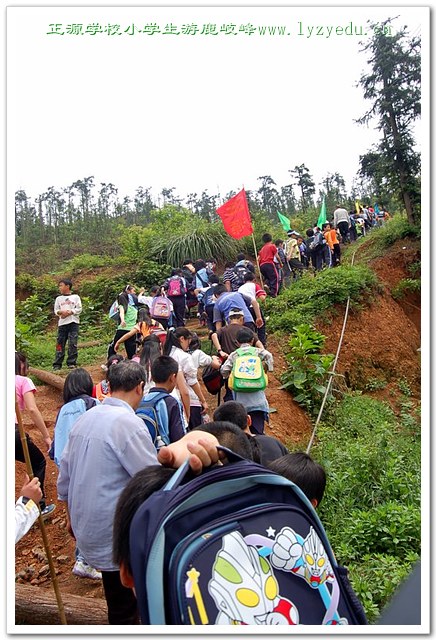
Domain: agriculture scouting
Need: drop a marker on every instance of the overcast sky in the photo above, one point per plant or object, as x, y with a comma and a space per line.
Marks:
192, 112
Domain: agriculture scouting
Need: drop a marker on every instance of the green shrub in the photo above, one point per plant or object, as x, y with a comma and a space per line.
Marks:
85, 262
25, 283
371, 507
406, 286
376, 577
31, 313
310, 298
22, 335
308, 369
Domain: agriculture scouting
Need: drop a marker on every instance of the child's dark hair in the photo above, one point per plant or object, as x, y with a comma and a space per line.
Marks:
123, 300
303, 471
199, 264
150, 351
20, 363
267, 237
136, 491
173, 339
233, 412
144, 316
245, 335
77, 383
278, 242
162, 367
309, 233
213, 279
66, 281
176, 272
240, 256
195, 343
113, 359
249, 277
230, 436
229, 265
325, 225
155, 289
219, 289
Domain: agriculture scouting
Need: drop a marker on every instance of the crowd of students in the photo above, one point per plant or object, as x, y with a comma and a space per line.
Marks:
150, 409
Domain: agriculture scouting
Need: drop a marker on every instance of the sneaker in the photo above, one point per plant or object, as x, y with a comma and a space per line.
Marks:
72, 366
84, 570
56, 368
103, 367
48, 510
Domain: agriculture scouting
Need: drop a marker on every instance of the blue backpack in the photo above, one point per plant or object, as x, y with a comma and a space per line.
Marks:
237, 545
153, 411
66, 418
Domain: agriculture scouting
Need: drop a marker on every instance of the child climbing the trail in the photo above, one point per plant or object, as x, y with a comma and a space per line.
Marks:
77, 395
128, 315
331, 237
303, 471
162, 412
25, 395
101, 390
145, 326
245, 369
150, 351
267, 264
188, 389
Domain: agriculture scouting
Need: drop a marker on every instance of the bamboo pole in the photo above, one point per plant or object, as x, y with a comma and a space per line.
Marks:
40, 518
257, 260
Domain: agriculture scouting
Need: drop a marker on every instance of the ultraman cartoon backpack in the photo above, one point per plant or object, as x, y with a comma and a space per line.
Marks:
237, 545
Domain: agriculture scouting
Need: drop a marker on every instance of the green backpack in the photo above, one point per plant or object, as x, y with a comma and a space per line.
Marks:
247, 373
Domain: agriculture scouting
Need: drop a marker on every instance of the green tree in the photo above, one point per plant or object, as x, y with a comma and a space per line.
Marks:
334, 190
287, 200
393, 86
268, 195
304, 181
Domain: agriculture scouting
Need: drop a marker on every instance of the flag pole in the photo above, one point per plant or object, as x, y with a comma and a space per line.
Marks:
255, 250
257, 260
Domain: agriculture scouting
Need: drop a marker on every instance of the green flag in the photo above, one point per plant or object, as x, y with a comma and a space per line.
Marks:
322, 215
286, 223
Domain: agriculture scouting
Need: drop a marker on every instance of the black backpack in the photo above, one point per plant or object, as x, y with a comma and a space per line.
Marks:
237, 545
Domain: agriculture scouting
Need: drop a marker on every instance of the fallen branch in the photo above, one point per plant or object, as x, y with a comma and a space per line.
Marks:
91, 343
34, 605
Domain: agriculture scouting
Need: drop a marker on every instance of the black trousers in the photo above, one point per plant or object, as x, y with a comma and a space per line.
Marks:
271, 278
37, 460
195, 418
129, 344
179, 304
122, 607
66, 332
344, 230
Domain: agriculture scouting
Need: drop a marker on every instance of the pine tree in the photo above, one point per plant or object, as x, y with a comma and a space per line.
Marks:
393, 85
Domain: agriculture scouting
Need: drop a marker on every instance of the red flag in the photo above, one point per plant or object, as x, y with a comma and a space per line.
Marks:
235, 216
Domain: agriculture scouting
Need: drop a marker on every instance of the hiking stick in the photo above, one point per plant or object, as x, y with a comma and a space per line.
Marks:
40, 518
257, 260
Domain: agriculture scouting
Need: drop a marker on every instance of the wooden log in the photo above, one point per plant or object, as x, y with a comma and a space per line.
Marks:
90, 343
49, 378
34, 605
